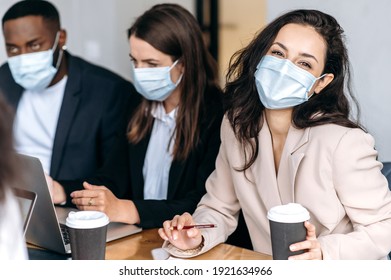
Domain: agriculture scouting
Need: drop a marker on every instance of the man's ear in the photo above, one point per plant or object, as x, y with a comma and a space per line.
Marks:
323, 82
62, 39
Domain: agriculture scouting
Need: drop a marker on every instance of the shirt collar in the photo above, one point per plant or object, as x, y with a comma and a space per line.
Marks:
158, 112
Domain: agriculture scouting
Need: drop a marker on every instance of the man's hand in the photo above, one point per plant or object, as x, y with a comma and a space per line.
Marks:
56, 190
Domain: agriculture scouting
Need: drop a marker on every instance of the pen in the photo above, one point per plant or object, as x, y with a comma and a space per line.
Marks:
196, 226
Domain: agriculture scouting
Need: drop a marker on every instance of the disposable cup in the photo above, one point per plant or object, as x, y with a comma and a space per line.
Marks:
87, 233
287, 227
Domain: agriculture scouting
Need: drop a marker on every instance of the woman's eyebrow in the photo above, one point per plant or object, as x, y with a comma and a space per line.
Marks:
281, 45
148, 60
307, 55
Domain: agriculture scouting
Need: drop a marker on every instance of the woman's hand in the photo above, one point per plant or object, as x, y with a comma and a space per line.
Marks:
100, 198
311, 245
180, 238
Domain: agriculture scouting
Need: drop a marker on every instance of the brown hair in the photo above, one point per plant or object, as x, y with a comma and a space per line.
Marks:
174, 31
8, 157
244, 108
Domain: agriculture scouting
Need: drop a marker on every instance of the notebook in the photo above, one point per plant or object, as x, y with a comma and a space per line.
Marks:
46, 227
26, 200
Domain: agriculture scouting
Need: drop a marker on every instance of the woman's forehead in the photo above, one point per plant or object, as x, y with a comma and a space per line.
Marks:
298, 38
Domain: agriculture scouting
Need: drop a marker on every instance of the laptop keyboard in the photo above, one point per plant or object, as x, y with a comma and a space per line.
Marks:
65, 234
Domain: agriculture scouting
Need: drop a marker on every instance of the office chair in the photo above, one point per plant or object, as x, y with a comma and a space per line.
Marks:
387, 172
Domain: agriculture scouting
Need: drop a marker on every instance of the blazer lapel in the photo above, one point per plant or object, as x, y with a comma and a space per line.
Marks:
264, 171
290, 162
12, 90
136, 163
137, 155
68, 109
16, 94
176, 171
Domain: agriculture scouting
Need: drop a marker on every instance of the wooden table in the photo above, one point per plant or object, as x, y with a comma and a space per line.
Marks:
139, 246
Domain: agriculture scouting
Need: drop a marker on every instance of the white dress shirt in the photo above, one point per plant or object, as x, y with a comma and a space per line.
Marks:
36, 122
158, 159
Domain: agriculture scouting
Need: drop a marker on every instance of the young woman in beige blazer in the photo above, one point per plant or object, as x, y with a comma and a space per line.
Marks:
287, 137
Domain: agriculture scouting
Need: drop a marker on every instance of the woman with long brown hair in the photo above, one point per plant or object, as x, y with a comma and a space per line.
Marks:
173, 135
289, 137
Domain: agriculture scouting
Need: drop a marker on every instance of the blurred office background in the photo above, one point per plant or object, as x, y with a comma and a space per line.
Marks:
97, 31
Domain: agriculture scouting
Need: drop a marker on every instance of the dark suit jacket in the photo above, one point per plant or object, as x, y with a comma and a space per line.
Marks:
93, 109
122, 172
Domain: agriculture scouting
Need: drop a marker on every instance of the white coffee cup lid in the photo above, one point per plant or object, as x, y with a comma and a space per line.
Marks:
86, 219
288, 213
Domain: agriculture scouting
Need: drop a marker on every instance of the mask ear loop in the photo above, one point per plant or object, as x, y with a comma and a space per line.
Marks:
56, 41
172, 66
314, 83
60, 55
61, 52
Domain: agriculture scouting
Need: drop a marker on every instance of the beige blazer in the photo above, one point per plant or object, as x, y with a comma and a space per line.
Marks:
331, 170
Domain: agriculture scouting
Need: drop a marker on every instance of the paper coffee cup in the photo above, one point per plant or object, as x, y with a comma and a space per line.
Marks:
87, 233
287, 227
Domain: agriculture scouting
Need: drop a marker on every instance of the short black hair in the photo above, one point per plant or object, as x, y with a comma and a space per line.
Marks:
33, 8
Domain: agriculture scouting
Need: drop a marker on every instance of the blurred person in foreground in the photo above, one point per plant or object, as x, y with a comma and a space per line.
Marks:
12, 243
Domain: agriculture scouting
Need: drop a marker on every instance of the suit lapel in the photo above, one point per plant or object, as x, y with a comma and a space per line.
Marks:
137, 155
67, 113
176, 171
12, 90
290, 162
16, 94
264, 171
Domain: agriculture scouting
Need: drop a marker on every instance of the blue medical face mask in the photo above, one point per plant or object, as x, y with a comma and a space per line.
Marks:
35, 71
281, 84
155, 83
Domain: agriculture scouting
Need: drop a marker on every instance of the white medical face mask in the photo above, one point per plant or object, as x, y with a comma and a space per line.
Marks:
281, 84
155, 83
35, 71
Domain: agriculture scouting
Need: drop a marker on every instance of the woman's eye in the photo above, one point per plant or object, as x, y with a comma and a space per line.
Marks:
133, 62
278, 53
304, 64
152, 65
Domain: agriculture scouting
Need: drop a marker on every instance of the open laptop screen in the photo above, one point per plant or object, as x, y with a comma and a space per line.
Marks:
26, 200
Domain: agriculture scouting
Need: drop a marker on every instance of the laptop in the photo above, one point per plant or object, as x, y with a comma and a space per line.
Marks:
46, 228
26, 200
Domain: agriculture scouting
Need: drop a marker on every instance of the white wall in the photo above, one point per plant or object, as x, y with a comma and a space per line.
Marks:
97, 28
367, 27
97, 32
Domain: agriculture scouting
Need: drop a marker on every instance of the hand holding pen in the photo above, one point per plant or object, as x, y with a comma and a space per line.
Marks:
199, 226
183, 232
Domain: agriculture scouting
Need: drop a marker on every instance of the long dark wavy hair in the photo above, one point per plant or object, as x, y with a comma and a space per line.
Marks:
243, 106
174, 31
8, 160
